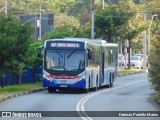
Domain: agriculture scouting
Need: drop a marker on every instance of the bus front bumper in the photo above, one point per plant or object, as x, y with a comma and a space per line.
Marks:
79, 84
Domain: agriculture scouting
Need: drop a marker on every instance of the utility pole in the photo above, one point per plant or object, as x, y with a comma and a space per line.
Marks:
144, 39
149, 36
6, 7
92, 20
40, 25
103, 4
125, 55
120, 52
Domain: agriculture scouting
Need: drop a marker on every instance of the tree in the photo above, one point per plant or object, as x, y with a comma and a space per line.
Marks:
61, 32
110, 19
60, 9
14, 40
69, 31
154, 58
154, 62
132, 30
63, 19
31, 58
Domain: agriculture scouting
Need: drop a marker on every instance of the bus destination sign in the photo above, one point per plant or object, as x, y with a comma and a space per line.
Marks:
66, 45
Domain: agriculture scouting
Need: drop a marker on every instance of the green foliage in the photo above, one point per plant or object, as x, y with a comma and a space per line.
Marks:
153, 6
31, 55
20, 88
84, 31
157, 97
109, 20
63, 19
69, 31
14, 40
154, 62
154, 58
128, 71
77, 10
137, 45
61, 32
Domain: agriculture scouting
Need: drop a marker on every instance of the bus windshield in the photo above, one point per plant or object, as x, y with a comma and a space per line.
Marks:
65, 60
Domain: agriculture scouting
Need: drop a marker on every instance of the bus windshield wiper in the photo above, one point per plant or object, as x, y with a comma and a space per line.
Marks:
59, 54
72, 53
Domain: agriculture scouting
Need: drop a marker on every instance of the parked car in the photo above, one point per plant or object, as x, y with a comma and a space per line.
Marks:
141, 55
136, 62
121, 60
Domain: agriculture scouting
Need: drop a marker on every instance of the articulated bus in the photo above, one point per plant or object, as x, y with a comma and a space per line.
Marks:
79, 63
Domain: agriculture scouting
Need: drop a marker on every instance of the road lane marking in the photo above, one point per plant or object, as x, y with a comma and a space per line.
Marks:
80, 105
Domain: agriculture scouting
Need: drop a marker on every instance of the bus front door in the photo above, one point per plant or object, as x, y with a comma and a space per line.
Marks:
102, 79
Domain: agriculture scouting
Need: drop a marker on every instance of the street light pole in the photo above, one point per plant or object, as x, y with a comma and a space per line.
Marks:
144, 40
149, 36
92, 22
103, 4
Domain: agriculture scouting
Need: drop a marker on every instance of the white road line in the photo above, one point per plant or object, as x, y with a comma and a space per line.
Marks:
80, 105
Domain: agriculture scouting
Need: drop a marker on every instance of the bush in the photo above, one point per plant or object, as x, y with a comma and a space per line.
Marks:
154, 62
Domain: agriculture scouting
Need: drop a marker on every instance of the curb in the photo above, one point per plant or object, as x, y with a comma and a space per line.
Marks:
9, 96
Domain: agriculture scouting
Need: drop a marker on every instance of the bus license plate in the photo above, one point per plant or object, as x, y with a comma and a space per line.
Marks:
63, 85
63, 81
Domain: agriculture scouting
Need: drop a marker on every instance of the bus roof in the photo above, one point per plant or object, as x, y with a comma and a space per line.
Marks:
94, 41
80, 40
109, 45
86, 40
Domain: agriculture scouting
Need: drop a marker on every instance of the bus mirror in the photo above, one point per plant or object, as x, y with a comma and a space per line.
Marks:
89, 54
39, 51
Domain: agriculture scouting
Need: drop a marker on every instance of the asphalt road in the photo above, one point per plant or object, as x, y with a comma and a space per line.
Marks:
130, 93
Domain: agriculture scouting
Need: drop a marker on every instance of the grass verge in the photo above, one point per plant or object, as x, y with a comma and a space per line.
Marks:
127, 71
19, 88
157, 97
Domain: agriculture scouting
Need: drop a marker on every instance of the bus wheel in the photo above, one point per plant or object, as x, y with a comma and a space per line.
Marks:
95, 88
86, 90
51, 89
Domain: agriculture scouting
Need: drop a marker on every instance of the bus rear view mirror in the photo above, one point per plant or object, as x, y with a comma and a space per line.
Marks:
39, 51
89, 54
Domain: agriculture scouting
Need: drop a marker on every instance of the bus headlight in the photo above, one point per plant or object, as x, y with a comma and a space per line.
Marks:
81, 77
46, 76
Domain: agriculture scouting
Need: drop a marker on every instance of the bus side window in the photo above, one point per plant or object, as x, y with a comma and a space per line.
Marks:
87, 62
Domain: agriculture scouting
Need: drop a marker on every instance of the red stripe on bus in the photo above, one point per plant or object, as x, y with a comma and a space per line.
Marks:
63, 77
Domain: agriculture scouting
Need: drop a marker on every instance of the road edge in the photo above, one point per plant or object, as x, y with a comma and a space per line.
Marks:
132, 73
9, 95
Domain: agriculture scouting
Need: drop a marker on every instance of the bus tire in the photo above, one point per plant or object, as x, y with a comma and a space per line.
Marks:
51, 89
86, 90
